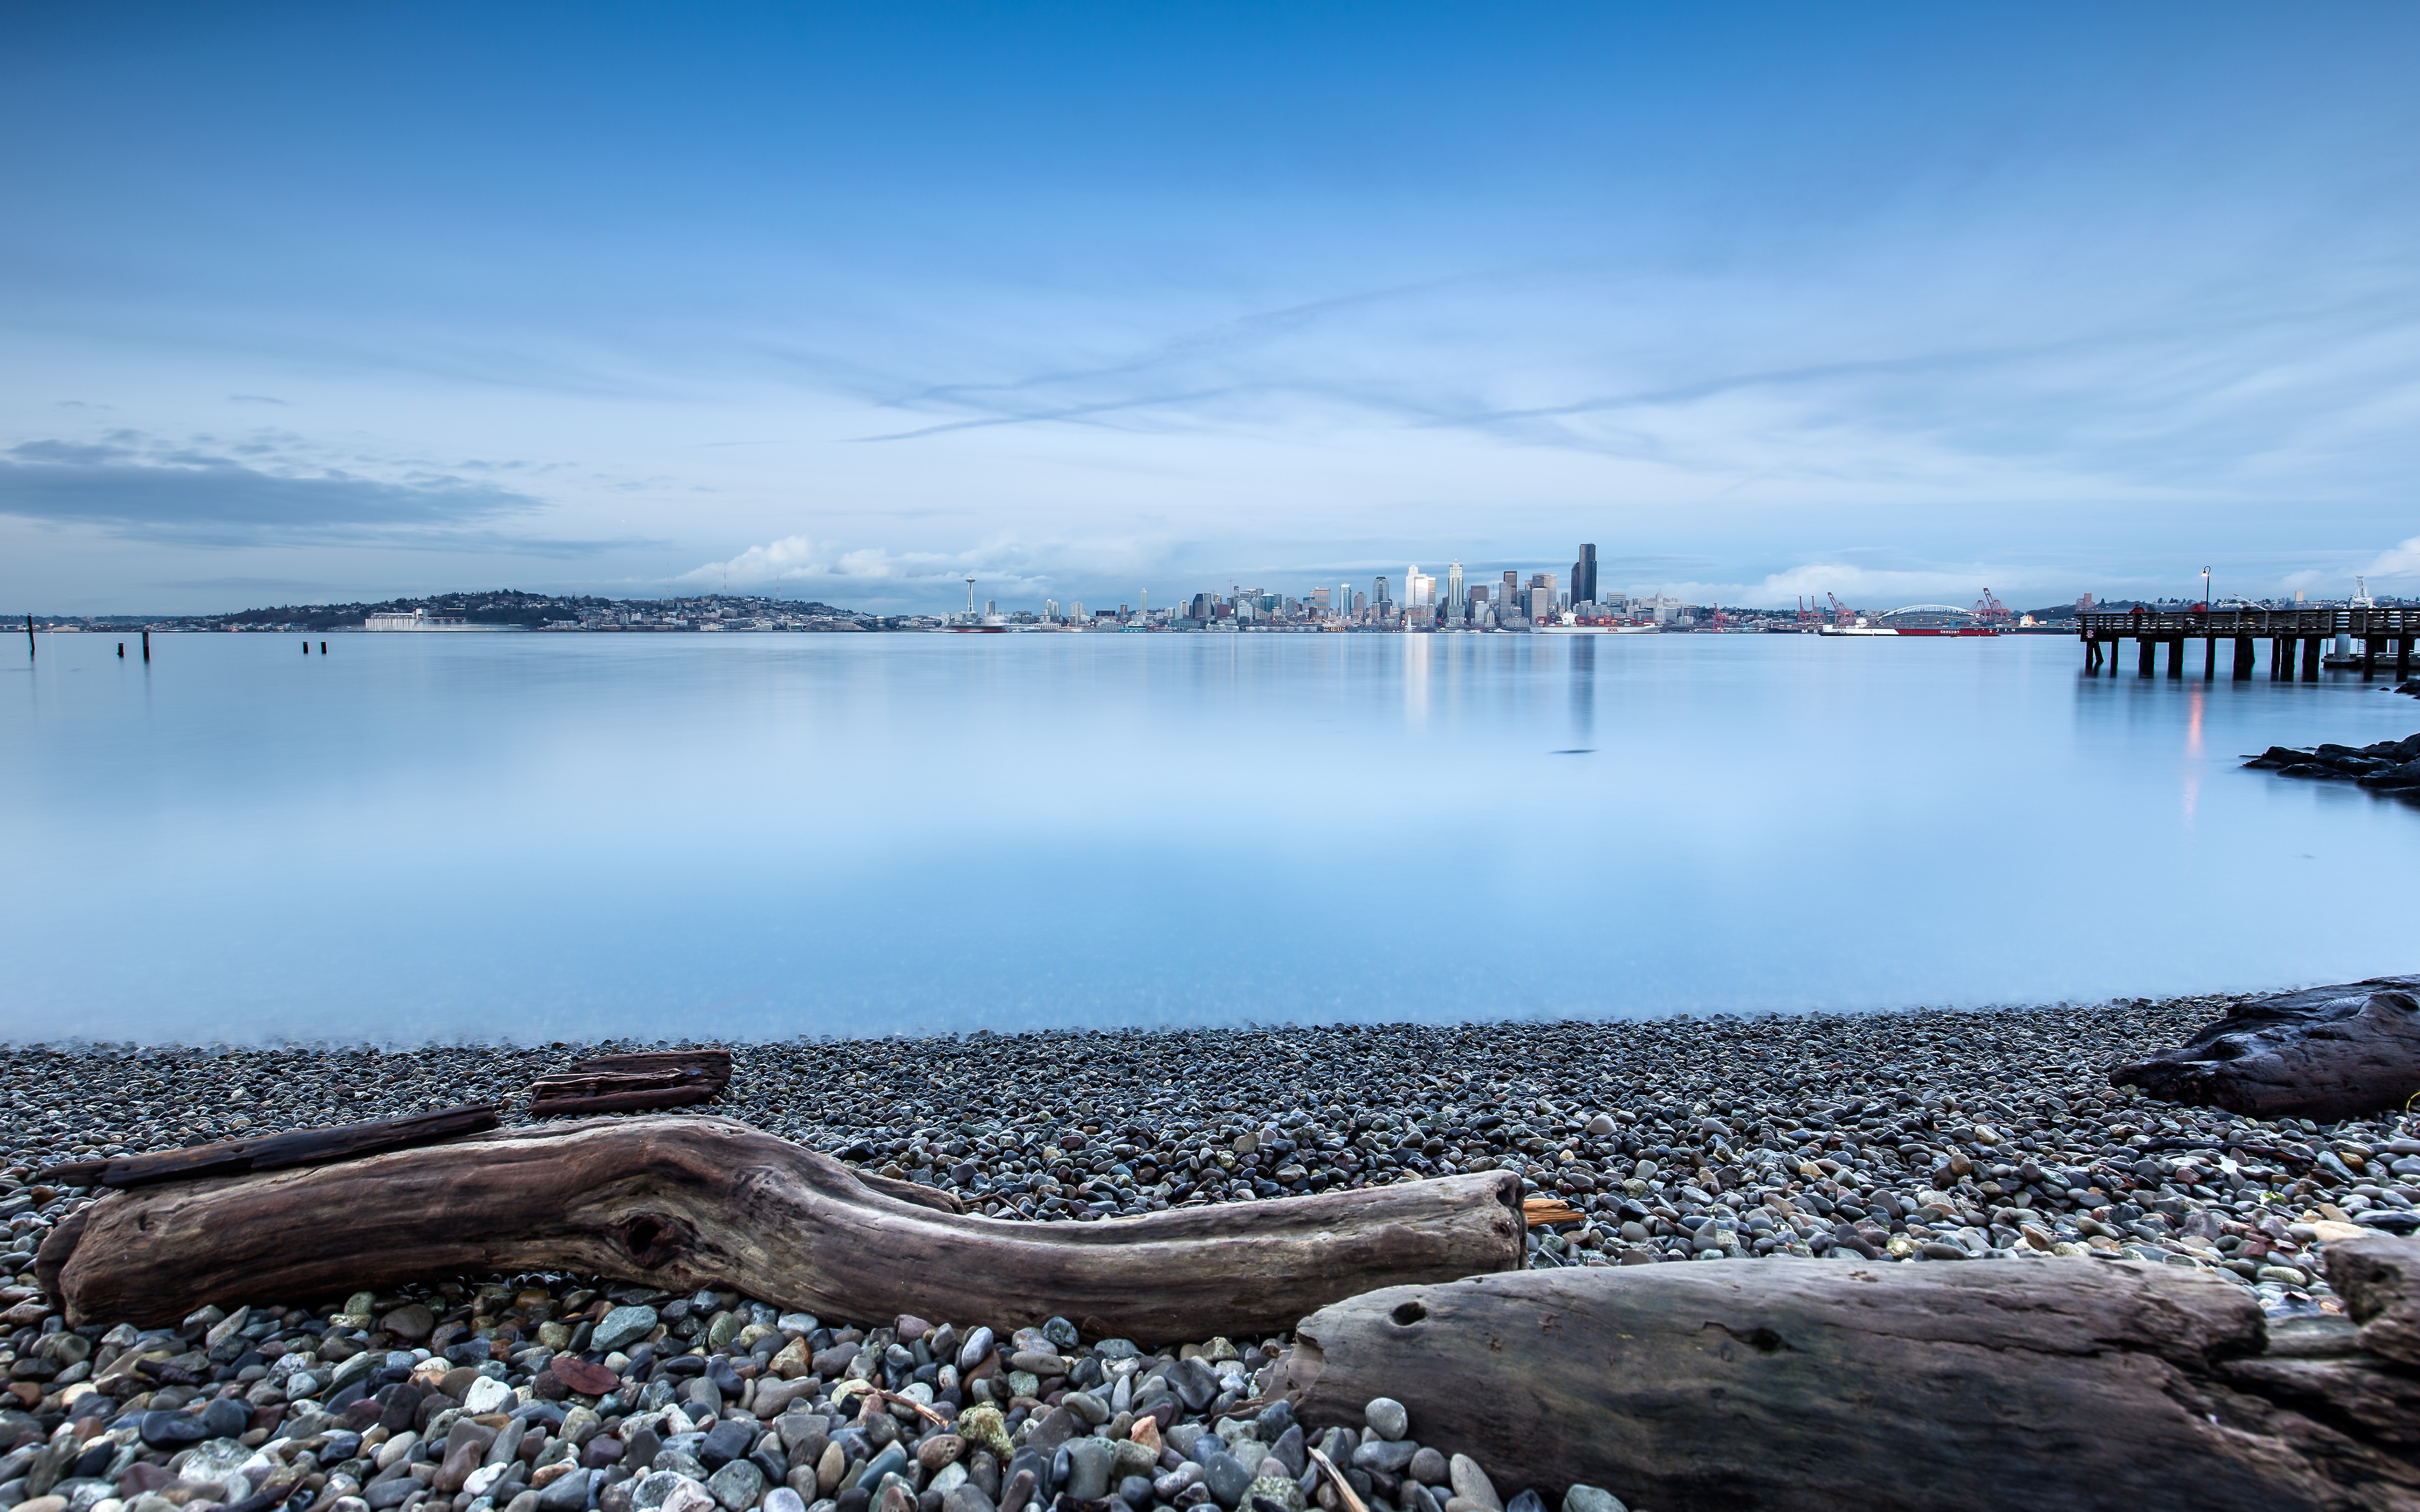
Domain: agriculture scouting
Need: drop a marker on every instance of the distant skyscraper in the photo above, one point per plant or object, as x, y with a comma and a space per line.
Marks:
1379, 590
1584, 575
1511, 592
1453, 583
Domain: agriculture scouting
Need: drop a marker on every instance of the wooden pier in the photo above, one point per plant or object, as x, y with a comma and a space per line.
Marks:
2296, 637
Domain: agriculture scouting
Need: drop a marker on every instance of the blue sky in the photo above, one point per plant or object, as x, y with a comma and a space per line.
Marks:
301, 302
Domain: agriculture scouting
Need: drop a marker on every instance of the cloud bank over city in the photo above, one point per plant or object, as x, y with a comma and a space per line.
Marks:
1087, 302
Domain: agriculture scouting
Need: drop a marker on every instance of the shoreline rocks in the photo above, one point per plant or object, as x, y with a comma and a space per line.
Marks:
2382, 766
1923, 1137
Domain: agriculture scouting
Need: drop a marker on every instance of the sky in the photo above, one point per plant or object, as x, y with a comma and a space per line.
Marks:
308, 303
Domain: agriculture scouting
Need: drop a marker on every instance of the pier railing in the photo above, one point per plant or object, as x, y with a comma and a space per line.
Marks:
2385, 638
2255, 624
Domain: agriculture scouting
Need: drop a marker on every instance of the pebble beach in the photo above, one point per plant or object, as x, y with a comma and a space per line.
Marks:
1923, 1137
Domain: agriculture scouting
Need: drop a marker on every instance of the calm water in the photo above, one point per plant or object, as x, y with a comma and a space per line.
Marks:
542, 835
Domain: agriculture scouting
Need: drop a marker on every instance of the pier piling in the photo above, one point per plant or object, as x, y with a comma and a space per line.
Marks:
146, 645
2293, 635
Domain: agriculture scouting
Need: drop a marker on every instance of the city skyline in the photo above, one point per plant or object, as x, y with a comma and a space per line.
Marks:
852, 304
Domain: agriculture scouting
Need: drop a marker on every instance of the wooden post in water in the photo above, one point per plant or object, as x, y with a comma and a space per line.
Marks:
2245, 653
2176, 655
2311, 649
2209, 657
2403, 657
29, 638
2146, 656
146, 645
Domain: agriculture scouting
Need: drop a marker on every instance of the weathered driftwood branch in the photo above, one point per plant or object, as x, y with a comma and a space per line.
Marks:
1819, 1385
683, 1202
627, 1083
278, 1151
2326, 1052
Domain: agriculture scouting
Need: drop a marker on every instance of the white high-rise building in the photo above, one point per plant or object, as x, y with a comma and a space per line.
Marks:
1420, 589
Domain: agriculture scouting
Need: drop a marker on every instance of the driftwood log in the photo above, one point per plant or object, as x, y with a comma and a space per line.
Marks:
2380, 1281
2326, 1052
628, 1083
274, 1152
685, 1202
1822, 1385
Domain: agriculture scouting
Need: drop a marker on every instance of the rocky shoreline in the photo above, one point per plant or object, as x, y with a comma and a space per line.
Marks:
1926, 1137
2382, 766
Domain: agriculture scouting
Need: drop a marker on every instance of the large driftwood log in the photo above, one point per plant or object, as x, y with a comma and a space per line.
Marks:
2326, 1052
684, 1202
1821, 1386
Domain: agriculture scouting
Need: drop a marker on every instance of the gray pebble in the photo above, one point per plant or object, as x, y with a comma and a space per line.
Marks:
1387, 1417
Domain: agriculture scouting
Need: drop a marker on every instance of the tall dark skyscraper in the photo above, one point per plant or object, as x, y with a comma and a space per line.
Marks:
1584, 576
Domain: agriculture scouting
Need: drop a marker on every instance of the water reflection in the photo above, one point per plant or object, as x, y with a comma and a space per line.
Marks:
1583, 677
737, 835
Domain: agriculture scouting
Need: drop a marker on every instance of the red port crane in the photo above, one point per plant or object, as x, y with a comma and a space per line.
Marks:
1990, 610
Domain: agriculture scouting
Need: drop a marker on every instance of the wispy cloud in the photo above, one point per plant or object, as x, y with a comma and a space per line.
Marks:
2397, 562
136, 486
876, 575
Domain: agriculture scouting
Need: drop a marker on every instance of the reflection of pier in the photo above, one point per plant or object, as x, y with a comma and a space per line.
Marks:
2385, 637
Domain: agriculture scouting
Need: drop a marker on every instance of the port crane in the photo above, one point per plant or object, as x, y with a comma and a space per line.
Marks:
1990, 610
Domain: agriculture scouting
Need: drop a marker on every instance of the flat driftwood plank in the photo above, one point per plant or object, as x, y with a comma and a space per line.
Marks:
685, 1202
278, 1151
577, 1106
1824, 1386
615, 1084
712, 1062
